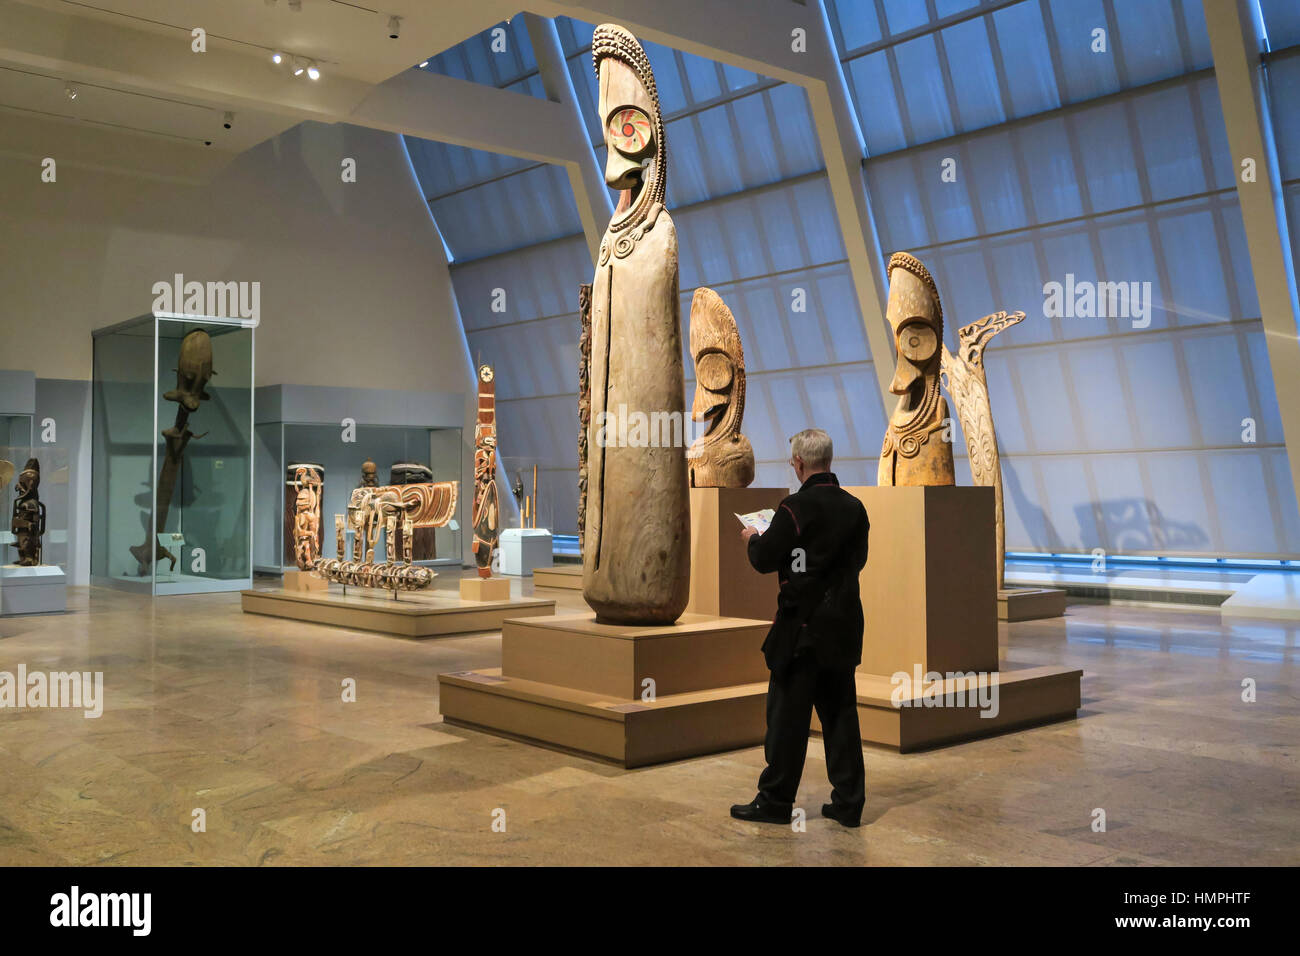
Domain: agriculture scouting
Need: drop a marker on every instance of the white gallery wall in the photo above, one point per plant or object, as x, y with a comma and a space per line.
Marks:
354, 283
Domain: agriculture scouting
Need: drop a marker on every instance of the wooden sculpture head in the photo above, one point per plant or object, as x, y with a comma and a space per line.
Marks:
722, 457
193, 369
633, 128
915, 450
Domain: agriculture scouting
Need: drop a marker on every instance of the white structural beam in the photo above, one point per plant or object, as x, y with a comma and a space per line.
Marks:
443, 108
595, 208
121, 56
791, 42
1237, 43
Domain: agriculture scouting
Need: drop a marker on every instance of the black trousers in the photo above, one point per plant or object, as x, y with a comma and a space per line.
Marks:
791, 697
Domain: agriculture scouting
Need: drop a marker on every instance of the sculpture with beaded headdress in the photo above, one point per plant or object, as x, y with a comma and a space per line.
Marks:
916, 451
636, 542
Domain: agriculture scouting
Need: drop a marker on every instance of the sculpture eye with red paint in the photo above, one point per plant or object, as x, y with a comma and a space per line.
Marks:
629, 130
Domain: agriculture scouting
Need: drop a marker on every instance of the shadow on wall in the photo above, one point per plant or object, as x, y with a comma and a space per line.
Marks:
1121, 526
1136, 524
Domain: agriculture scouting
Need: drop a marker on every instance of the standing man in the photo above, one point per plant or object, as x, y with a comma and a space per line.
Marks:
817, 545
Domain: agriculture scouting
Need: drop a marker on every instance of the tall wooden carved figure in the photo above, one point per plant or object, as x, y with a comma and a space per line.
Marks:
636, 545
915, 450
486, 512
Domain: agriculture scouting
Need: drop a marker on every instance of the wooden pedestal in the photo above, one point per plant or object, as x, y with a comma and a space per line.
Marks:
1030, 604
484, 589
412, 614
304, 581
565, 576
633, 695
931, 607
722, 581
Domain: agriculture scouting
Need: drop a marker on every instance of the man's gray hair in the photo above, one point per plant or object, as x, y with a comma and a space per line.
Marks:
814, 446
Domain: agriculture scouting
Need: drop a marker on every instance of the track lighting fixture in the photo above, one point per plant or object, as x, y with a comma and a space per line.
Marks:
298, 67
229, 119
424, 64
312, 72
277, 57
70, 91
394, 27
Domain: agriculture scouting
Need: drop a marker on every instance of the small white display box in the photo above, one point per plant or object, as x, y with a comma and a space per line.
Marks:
39, 590
523, 549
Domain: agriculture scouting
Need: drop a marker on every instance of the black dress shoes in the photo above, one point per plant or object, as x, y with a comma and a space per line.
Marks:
759, 811
842, 815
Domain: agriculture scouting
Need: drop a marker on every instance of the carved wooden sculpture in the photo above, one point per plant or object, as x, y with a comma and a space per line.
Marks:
963, 376
636, 547
396, 509
722, 457
914, 451
424, 544
486, 514
291, 488
193, 369
306, 519
368, 475
28, 521
584, 405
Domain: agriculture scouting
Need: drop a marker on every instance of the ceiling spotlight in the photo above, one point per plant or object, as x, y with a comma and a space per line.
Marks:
394, 27
424, 64
312, 72
298, 66
229, 119
277, 57
70, 91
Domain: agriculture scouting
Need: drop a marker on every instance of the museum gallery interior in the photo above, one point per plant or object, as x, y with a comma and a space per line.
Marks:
391, 401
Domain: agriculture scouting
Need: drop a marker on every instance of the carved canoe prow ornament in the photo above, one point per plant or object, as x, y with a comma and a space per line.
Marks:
636, 536
963, 376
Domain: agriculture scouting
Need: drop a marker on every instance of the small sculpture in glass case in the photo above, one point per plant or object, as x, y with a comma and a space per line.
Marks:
28, 521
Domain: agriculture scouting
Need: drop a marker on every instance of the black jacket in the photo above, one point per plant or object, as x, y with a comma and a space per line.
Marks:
817, 545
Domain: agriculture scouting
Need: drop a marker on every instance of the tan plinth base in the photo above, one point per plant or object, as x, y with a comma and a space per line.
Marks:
1030, 604
427, 614
567, 576
485, 589
722, 580
304, 581
570, 683
1025, 696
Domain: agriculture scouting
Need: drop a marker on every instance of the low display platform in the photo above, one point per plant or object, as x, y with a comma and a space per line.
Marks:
1015, 697
1030, 604
632, 695
33, 590
428, 614
565, 576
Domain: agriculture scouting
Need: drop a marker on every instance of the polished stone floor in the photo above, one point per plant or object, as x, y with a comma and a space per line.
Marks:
242, 717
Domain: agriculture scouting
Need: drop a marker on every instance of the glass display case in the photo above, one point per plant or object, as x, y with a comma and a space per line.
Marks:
172, 455
401, 454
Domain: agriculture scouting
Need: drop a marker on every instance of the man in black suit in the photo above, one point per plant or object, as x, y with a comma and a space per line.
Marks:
817, 545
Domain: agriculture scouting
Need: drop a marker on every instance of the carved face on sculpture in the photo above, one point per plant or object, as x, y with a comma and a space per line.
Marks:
193, 369
29, 479
719, 362
369, 475
916, 316
633, 128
